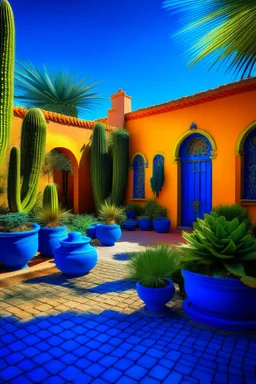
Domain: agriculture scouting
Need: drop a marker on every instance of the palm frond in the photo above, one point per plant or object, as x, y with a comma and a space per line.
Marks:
223, 31
58, 92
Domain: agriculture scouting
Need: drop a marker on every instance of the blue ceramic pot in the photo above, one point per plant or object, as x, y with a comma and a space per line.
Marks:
144, 224
17, 248
161, 225
130, 225
156, 298
108, 234
49, 239
75, 256
224, 303
131, 215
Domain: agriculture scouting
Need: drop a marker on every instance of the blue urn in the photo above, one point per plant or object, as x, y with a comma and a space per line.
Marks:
75, 256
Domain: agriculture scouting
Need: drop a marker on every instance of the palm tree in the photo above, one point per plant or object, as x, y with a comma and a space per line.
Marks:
222, 30
56, 92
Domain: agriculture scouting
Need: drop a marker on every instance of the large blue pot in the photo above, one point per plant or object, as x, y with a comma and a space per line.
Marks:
91, 231
17, 248
223, 303
156, 298
131, 215
145, 224
161, 225
49, 239
75, 256
130, 225
108, 234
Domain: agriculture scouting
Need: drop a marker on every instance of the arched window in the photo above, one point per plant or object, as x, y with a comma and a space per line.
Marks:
157, 179
250, 166
138, 165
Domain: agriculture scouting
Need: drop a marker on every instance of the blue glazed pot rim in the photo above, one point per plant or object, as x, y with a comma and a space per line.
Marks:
35, 229
108, 226
55, 229
213, 279
162, 219
170, 283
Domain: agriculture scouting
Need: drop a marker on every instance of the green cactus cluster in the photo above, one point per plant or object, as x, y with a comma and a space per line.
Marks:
7, 48
25, 164
50, 199
109, 166
157, 180
220, 247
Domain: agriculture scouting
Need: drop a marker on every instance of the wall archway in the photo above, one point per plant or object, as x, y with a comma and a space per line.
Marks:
138, 164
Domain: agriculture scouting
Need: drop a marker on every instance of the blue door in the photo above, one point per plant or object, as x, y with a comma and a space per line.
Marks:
196, 178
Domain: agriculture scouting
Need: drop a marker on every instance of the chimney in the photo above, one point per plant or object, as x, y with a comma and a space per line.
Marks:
121, 104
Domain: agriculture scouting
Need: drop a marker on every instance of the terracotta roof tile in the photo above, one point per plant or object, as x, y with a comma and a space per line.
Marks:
62, 119
199, 98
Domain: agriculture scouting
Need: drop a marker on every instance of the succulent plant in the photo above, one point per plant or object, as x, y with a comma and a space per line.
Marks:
220, 247
111, 214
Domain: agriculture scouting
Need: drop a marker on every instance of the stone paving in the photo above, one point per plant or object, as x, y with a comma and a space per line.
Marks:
93, 329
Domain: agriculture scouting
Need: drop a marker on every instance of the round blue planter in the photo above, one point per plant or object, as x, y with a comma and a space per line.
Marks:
91, 231
144, 224
161, 225
17, 248
75, 256
130, 225
131, 215
223, 303
155, 299
49, 239
108, 234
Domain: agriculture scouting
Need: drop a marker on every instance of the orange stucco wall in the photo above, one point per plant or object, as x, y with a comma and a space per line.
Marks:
72, 141
224, 119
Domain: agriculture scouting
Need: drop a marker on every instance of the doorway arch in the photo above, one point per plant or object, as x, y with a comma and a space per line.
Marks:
195, 178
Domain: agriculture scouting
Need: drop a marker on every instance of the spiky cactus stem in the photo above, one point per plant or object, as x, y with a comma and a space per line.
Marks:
120, 153
28, 164
7, 46
99, 165
50, 199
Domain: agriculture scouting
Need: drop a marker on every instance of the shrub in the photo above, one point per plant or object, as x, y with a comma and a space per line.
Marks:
78, 223
231, 211
14, 222
220, 248
139, 209
152, 266
111, 214
152, 209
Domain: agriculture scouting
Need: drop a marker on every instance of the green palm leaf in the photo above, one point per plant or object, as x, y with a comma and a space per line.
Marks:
224, 31
57, 92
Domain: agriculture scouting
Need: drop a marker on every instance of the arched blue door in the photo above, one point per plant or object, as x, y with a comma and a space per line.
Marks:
196, 178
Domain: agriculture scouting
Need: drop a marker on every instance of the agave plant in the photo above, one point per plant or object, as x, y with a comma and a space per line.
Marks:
230, 211
221, 248
153, 266
56, 92
222, 30
111, 214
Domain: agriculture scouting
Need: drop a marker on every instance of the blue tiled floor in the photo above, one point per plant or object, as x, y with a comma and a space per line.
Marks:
117, 348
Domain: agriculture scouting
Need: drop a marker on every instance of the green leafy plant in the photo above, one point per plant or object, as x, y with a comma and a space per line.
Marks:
7, 48
220, 248
78, 223
153, 266
55, 161
232, 211
139, 209
14, 222
153, 210
223, 31
111, 214
56, 92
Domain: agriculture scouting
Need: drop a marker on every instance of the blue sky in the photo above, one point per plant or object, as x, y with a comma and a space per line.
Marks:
126, 44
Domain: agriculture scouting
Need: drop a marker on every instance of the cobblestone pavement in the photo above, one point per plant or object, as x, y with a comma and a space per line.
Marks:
92, 329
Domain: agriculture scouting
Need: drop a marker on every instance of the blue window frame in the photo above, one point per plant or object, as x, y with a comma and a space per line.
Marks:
138, 177
250, 166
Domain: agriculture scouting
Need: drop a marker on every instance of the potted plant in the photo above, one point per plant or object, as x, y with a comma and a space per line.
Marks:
219, 261
152, 210
18, 240
162, 224
130, 225
134, 210
111, 217
51, 218
153, 269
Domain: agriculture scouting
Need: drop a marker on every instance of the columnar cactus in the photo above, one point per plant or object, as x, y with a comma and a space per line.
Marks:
157, 180
120, 153
7, 45
28, 164
50, 198
99, 165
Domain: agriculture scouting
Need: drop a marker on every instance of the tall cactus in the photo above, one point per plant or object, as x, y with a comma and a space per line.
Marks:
28, 164
7, 46
120, 153
99, 165
50, 199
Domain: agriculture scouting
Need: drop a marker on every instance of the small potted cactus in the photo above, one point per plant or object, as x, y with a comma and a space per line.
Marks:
50, 217
111, 217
